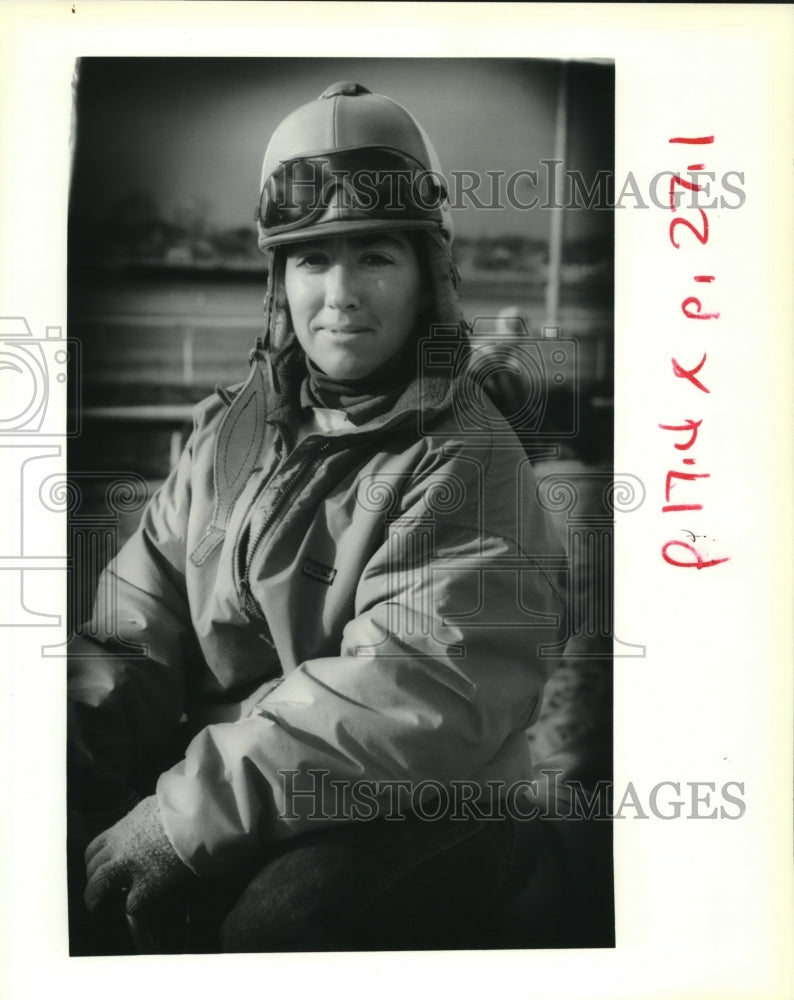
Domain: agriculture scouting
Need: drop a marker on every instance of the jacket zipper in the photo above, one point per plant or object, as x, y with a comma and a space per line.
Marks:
248, 602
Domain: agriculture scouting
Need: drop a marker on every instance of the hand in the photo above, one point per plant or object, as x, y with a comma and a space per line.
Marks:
133, 859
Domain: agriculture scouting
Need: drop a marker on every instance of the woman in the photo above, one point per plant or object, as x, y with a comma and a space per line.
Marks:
343, 592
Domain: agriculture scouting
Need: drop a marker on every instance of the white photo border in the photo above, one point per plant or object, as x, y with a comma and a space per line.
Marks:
703, 906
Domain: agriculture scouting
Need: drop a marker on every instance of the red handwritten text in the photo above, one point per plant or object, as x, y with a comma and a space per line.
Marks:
676, 553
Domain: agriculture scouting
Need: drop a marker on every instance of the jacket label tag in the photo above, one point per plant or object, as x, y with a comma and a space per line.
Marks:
325, 574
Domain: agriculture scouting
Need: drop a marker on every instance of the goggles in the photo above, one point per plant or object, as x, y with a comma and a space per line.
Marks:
373, 182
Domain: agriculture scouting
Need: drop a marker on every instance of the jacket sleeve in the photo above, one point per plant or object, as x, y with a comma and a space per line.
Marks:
438, 675
126, 668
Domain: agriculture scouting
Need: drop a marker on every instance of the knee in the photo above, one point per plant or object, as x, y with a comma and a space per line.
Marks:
284, 908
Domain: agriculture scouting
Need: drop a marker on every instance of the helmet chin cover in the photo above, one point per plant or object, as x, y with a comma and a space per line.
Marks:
350, 162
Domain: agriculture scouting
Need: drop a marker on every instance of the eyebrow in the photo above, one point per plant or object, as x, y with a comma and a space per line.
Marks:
380, 238
365, 241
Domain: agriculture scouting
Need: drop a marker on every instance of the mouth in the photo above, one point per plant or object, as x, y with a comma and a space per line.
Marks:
347, 331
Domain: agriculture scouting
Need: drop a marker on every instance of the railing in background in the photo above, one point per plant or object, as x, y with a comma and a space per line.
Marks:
147, 364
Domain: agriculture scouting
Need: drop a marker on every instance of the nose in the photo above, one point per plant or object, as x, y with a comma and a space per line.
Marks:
342, 289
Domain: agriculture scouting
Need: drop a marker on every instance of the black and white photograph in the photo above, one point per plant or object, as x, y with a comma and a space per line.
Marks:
340, 675
395, 432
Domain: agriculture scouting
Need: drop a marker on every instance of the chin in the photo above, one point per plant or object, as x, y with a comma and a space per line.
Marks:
343, 370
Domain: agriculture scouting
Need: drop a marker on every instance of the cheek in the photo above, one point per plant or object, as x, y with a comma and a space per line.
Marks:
412, 300
300, 300
404, 298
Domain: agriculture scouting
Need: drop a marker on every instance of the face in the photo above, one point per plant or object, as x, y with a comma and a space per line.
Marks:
354, 301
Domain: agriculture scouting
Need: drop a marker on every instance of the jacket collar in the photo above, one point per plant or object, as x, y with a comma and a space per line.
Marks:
272, 395
283, 401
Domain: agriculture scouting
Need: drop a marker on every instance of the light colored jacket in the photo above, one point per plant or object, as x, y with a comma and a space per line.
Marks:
372, 604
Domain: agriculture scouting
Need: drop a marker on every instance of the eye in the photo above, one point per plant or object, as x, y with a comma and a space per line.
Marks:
376, 258
310, 260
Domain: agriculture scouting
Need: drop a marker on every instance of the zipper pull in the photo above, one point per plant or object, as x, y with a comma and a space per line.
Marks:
244, 593
250, 607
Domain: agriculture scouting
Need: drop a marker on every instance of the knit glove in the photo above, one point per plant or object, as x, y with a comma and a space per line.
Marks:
134, 859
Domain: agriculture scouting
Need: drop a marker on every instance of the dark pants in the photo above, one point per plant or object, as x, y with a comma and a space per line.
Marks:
381, 885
